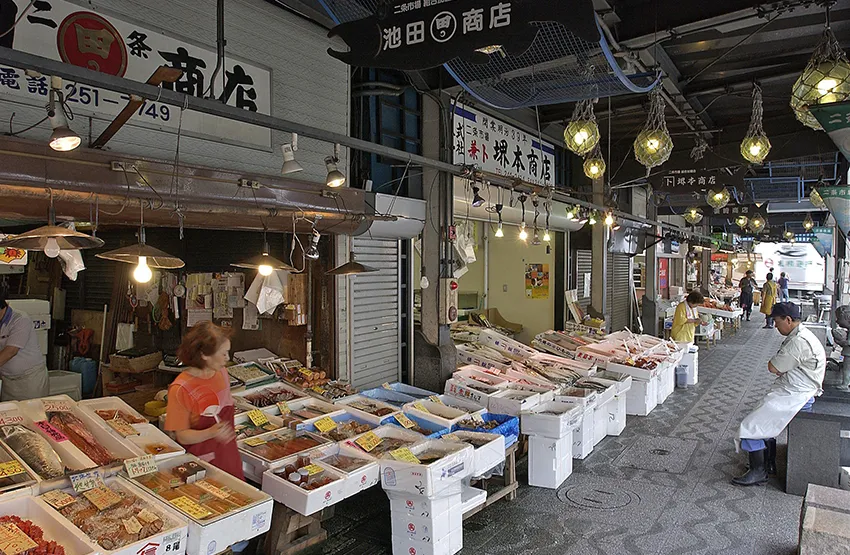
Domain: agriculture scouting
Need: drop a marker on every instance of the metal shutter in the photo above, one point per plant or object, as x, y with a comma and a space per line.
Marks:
619, 302
584, 265
375, 314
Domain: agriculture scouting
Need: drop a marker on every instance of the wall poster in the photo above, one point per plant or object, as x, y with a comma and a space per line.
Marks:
537, 281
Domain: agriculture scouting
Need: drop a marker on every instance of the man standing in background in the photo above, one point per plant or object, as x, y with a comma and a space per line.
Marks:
783, 288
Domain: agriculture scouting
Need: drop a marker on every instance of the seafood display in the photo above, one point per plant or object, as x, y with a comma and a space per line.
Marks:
308, 412
248, 373
372, 408
208, 493
471, 438
270, 396
80, 436
470, 424
249, 429
305, 475
335, 390
36, 534
302, 377
280, 445
390, 444
346, 430
345, 464
108, 525
160, 448
34, 450
111, 414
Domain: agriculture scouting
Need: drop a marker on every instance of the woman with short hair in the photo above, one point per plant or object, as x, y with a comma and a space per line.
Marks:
769, 291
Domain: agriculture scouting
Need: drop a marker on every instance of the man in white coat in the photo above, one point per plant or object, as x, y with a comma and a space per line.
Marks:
800, 366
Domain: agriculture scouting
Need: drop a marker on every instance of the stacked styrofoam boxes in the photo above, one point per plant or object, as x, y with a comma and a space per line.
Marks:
604, 398
691, 361
550, 427
584, 430
426, 500
617, 407
642, 398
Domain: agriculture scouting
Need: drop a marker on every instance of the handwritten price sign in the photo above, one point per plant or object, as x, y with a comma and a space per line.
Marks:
404, 420
325, 425
58, 498
51, 432
190, 507
14, 541
258, 417
85, 481
56, 405
404, 455
11, 468
140, 466
368, 441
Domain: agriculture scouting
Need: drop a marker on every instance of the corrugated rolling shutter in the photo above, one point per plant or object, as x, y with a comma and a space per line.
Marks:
618, 310
584, 265
375, 314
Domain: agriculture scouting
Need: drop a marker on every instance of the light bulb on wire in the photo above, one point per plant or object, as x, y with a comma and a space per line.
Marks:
609, 219
265, 270
546, 236
499, 232
51, 248
142, 273
523, 234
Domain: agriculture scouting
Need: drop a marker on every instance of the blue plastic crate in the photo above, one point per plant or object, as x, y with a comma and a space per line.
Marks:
398, 394
508, 427
344, 417
436, 430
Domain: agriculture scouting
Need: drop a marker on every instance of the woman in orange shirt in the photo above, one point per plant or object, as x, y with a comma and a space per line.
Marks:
200, 406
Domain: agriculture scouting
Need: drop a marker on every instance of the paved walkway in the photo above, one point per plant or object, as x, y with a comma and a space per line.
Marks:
660, 488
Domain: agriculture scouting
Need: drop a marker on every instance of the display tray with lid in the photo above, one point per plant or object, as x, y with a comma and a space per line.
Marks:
108, 408
267, 450
442, 463
268, 395
488, 449
392, 438
554, 420
361, 469
79, 440
435, 412
511, 401
305, 484
222, 510
473, 391
163, 529
347, 426
54, 528
371, 410
251, 374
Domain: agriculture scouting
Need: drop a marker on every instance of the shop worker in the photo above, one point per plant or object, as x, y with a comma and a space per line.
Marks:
769, 292
22, 367
748, 286
800, 366
686, 318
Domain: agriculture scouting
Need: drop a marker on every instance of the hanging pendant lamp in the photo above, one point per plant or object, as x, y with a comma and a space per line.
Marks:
718, 199
594, 164
808, 223
582, 133
653, 144
742, 221
263, 263
825, 80
51, 238
757, 223
816, 199
756, 145
350, 268
693, 215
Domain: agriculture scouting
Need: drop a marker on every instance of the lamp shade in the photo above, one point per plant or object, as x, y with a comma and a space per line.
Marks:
693, 216
350, 268
825, 80
67, 239
594, 165
155, 258
582, 133
264, 260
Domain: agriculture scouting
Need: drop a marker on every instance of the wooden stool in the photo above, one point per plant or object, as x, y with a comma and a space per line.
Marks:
292, 533
508, 484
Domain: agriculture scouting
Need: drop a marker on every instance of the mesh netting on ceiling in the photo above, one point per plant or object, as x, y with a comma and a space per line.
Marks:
558, 67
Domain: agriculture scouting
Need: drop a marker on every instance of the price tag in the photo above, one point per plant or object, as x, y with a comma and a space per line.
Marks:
313, 469
254, 441
58, 498
51, 432
386, 385
85, 481
318, 390
191, 508
56, 405
404, 420
9, 418
368, 441
140, 466
209, 488
435, 399
258, 417
419, 406
147, 516
11, 468
325, 424
14, 541
404, 455
283, 407
306, 372
122, 427
132, 525
102, 497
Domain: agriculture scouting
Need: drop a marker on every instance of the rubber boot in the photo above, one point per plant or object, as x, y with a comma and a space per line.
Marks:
756, 475
770, 456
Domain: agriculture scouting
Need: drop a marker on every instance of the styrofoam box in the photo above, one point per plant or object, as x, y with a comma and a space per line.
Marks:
388, 431
41, 335
152, 545
634, 371
458, 388
428, 479
345, 404
312, 403
617, 415
473, 373
666, 379
357, 480
623, 381
551, 425
341, 417
583, 435
510, 347
150, 434
585, 397
545, 394
472, 498
468, 356
487, 456
426, 529
239, 396
642, 397
37, 310
242, 418
109, 403
419, 505
301, 500
459, 403
600, 421
73, 457
550, 461
844, 478
512, 402
436, 413
56, 527
447, 545
215, 534
62, 382
260, 464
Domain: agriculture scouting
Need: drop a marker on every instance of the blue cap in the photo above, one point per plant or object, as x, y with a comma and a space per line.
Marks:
786, 309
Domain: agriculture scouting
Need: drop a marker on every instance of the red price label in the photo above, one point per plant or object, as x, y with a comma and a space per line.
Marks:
51, 432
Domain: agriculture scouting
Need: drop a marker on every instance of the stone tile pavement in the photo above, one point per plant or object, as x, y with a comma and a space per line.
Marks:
662, 487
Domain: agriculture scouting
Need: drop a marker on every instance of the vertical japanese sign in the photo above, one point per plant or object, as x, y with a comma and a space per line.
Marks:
63, 31
537, 281
496, 147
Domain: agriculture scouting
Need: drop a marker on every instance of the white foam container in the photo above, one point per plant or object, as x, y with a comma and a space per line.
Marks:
459, 403
600, 421
419, 505
216, 534
616, 415
357, 480
583, 434
345, 404
426, 529
436, 413
152, 545
148, 434
585, 397
459, 388
301, 500
473, 373
642, 398
257, 464
550, 425
428, 479
550, 461
447, 545
242, 418
512, 402
240, 396
326, 408
623, 381
634, 371
56, 527
387, 431
509, 347
485, 457
109, 403
472, 498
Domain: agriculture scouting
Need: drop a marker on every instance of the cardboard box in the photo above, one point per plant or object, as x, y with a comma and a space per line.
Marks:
642, 397
554, 426
428, 479
550, 461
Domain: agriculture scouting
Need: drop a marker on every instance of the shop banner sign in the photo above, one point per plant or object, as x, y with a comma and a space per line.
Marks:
421, 34
537, 281
498, 148
63, 31
694, 180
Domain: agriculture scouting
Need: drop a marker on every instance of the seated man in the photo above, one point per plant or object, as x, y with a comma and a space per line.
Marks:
800, 365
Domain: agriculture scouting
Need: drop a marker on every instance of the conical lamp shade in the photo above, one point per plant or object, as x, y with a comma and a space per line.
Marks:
264, 260
837, 201
155, 257
351, 268
67, 239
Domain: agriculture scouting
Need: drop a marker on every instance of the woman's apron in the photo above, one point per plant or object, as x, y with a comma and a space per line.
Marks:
32, 384
223, 455
769, 299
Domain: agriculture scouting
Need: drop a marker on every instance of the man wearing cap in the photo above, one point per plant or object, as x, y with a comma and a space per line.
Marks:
22, 366
800, 366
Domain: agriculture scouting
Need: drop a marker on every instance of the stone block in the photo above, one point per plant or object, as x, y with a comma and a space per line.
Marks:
825, 532
823, 497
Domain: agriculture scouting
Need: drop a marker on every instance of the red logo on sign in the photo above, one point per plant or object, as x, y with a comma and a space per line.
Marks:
148, 549
412, 551
411, 528
87, 40
363, 479
328, 496
409, 504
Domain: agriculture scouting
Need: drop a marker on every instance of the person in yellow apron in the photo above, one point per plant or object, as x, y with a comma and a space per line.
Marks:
800, 366
22, 367
768, 298
686, 318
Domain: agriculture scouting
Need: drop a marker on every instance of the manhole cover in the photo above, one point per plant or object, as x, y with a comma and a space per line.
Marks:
660, 452
597, 497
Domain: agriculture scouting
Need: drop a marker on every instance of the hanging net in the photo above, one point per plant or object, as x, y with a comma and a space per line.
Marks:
653, 144
554, 69
756, 145
825, 80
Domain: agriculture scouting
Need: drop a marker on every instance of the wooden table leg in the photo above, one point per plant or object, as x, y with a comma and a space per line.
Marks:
291, 532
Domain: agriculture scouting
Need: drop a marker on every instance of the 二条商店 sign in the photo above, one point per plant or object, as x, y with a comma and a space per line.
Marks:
495, 147
64, 31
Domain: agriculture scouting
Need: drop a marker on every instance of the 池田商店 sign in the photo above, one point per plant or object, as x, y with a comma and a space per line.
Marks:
76, 35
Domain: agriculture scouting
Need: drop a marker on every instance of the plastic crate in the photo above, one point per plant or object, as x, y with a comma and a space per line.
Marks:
508, 427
